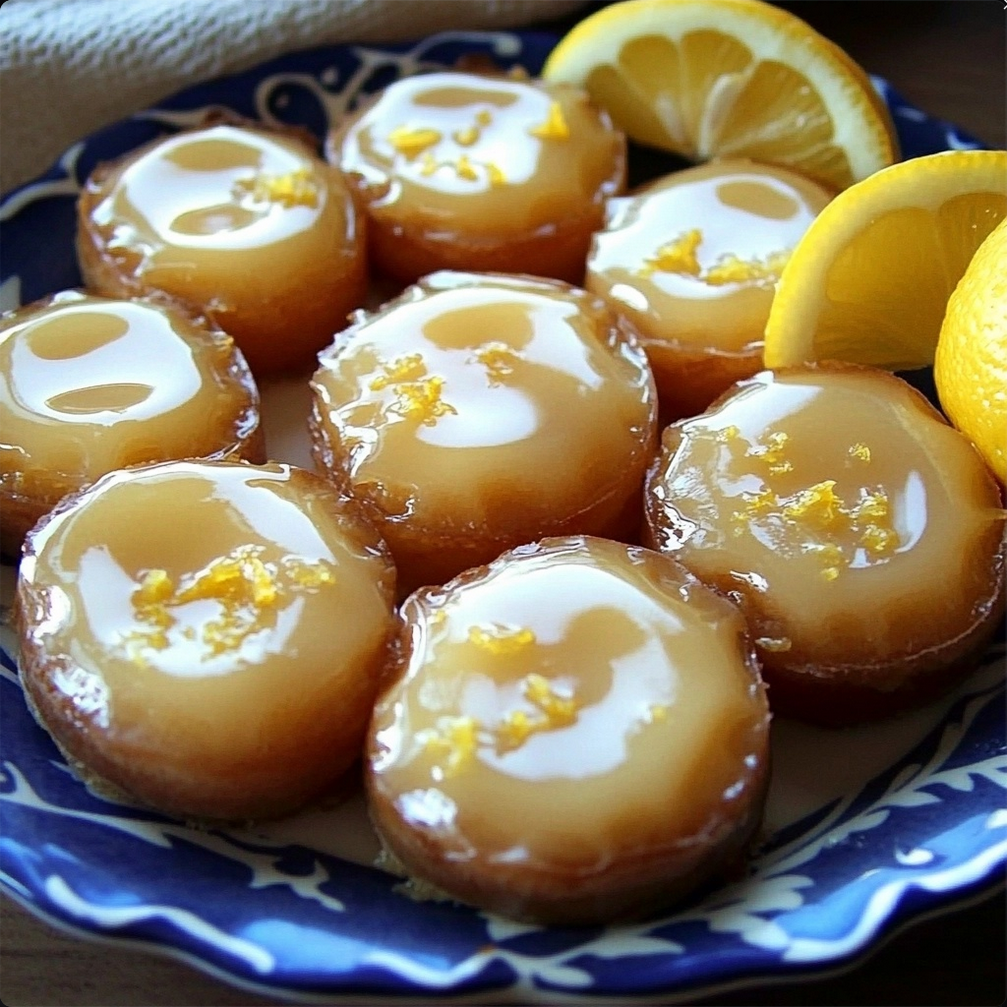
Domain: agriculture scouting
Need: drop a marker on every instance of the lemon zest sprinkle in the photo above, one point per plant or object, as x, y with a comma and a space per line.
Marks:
499, 359
155, 586
467, 136
555, 126
872, 505
732, 269
136, 641
879, 540
411, 367
772, 451
515, 729
552, 711
294, 188
830, 552
495, 174
501, 640
821, 512
428, 164
676, 256
310, 575
560, 710
422, 400
757, 503
727, 434
465, 169
817, 503
243, 585
413, 142
454, 741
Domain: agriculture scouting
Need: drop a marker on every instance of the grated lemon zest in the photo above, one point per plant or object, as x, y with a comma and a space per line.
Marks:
421, 400
495, 174
677, 256
428, 164
452, 743
879, 540
411, 367
560, 710
465, 169
820, 512
555, 126
155, 586
501, 640
413, 142
498, 359
732, 269
295, 188
516, 728
243, 585
467, 136
727, 434
817, 505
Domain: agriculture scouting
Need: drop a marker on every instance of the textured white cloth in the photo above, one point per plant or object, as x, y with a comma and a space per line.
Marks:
68, 67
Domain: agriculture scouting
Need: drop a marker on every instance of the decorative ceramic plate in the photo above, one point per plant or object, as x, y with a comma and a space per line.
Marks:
865, 828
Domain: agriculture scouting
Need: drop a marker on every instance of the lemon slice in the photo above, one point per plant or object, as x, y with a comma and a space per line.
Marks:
970, 367
870, 279
729, 78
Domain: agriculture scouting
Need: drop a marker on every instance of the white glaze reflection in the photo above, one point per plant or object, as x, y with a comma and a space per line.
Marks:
226, 594
213, 206
482, 154
910, 510
445, 398
507, 416
693, 258
825, 495
90, 364
573, 673
597, 742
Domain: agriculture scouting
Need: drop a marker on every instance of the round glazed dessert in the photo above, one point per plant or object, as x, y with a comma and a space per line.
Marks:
206, 636
691, 262
477, 412
250, 227
90, 384
861, 534
463, 171
577, 733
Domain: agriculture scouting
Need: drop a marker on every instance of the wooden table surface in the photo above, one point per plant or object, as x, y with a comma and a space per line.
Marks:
945, 57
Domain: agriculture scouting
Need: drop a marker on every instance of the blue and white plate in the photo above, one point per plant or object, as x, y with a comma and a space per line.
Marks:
865, 829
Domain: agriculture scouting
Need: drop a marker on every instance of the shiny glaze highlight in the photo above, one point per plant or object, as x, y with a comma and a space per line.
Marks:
691, 262
854, 524
577, 703
492, 407
184, 633
90, 384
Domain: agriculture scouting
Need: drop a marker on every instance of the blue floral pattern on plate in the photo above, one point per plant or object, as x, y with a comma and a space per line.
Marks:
918, 823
